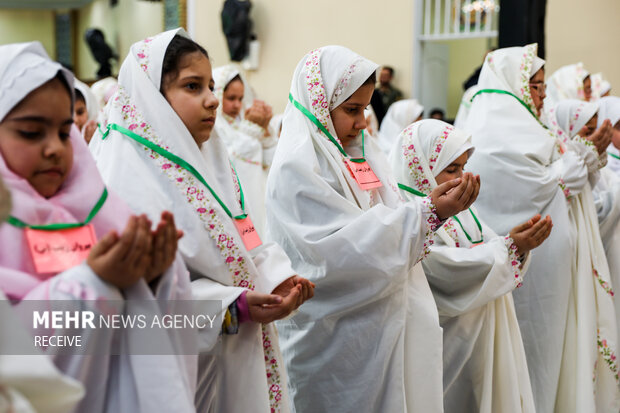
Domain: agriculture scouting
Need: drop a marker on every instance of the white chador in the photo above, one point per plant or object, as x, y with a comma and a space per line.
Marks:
564, 310
345, 349
131, 381
246, 373
471, 271
572, 115
250, 147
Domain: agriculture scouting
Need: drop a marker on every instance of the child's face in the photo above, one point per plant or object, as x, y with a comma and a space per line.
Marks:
348, 118
587, 88
80, 114
615, 137
537, 89
232, 100
34, 138
589, 128
453, 171
191, 96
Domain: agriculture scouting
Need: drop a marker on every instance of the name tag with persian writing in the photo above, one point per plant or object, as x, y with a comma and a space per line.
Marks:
248, 233
57, 251
363, 175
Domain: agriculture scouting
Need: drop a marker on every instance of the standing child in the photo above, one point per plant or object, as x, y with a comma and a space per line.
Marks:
158, 122
54, 183
242, 123
472, 272
356, 237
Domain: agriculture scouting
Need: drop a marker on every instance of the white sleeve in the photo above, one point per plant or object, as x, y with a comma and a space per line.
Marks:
463, 279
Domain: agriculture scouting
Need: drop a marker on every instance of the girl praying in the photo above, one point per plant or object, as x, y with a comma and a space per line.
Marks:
158, 151
335, 208
471, 271
59, 198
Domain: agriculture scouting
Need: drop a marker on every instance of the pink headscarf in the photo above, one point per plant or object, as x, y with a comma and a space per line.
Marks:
72, 203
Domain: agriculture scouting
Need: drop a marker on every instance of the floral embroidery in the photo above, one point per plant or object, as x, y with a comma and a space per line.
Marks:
432, 160
414, 162
433, 224
580, 73
450, 227
525, 69
204, 207
573, 121
344, 82
514, 260
142, 54
565, 189
608, 354
602, 282
316, 90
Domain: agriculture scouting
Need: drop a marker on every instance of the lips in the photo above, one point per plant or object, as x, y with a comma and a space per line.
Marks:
55, 170
210, 120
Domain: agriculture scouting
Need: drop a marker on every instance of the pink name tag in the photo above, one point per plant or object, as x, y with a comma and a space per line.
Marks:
56, 251
248, 233
363, 175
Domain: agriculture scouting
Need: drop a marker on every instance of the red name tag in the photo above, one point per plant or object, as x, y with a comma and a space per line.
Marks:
248, 233
57, 251
363, 175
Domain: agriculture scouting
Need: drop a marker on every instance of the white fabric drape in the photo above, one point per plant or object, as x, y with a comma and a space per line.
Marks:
484, 365
398, 117
234, 380
345, 349
525, 173
130, 381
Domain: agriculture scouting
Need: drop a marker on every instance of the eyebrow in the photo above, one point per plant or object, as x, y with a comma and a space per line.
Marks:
192, 77
39, 119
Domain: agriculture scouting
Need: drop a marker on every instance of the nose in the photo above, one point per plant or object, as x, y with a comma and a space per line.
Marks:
360, 121
54, 145
210, 101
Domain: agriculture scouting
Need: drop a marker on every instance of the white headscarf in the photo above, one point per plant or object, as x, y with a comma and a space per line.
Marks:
104, 89
600, 86
566, 83
358, 246
29, 68
471, 286
399, 115
514, 155
211, 246
89, 99
573, 114
610, 109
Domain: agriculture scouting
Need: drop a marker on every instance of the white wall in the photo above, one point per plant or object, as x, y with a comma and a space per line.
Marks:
18, 26
289, 29
585, 31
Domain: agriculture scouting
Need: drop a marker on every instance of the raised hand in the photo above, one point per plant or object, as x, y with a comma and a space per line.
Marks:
601, 138
164, 249
123, 260
532, 233
456, 195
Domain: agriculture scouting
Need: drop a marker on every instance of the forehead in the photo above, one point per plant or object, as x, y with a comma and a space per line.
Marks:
38, 100
196, 63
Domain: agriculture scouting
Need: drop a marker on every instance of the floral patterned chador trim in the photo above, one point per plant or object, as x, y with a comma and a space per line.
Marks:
514, 260
202, 204
608, 354
432, 160
344, 81
450, 227
565, 189
604, 284
429, 210
316, 90
524, 70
